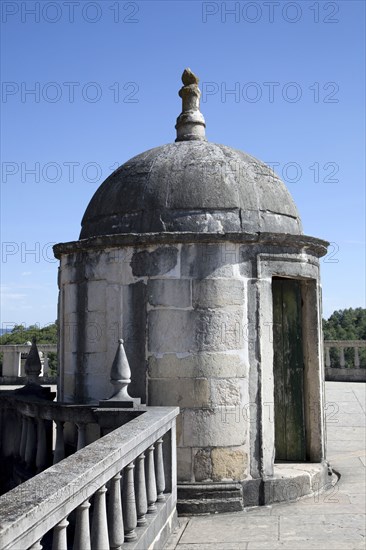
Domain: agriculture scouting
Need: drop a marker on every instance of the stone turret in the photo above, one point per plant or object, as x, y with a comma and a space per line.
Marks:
193, 252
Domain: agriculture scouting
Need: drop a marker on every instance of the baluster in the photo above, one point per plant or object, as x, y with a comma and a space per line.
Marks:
41, 456
36, 546
59, 453
45, 364
59, 535
99, 530
140, 484
2, 414
30, 448
3, 431
82, 529
81, 435
16, 435
129, 503
115, 518
357, 358
327, 357
23, 438
150, 480
342, 360
159, 470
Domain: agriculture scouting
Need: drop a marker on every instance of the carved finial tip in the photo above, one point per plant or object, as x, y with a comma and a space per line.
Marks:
120, 340
188, 77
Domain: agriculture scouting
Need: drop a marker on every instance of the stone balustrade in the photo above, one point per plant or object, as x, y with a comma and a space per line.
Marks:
119, 489
14, 359
32, 430
337, 367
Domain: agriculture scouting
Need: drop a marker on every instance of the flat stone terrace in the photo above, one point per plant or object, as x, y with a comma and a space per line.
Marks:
332, 520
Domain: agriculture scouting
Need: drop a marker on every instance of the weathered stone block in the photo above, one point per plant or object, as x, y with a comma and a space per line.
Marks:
202, 466
96, 296
179, 430
68, 387
219, 330
212, 293
209, 498
183, 331
70, 332
289, 488
66, 274
189, 393
92, 334
252, 492
158, 262
213, 427
171, 331
169, 292
199, 261
97, 387
206, 365
134, 334
184, 464
94, 265
228, 464
117, 265
69, 298
226, 391
95, 363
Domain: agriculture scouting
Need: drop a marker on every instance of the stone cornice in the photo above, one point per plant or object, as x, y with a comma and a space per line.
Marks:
318, 247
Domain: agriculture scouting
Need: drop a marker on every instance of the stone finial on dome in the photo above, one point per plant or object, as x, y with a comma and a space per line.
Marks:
190, 123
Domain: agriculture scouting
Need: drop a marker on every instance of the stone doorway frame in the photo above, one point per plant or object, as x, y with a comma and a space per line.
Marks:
305, 269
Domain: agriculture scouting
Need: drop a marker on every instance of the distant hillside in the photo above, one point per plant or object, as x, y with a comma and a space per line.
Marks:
19, 335
346, 324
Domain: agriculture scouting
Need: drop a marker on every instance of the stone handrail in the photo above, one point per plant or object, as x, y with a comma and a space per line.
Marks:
44, 502
12, 358
341, 345
28, 421
337, 368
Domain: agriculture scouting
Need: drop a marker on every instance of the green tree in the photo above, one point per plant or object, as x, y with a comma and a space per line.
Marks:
21, 335
346, 324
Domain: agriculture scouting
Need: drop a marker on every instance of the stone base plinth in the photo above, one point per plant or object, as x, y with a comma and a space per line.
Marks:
209, 498
289, 483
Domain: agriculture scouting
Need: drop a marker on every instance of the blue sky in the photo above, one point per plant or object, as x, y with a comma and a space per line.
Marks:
105, 77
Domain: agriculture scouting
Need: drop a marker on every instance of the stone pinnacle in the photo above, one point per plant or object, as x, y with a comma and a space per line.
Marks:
190, 123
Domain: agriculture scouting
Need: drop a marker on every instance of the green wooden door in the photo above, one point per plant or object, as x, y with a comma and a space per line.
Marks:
288, 370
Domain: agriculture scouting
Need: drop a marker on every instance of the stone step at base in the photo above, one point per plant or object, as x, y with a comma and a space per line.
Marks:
209, 498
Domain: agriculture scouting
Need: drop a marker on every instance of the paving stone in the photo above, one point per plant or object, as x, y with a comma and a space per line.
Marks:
345, 407
345, 433
331, 520
230, 528
354, 420
332, 527
213, 546
303, 545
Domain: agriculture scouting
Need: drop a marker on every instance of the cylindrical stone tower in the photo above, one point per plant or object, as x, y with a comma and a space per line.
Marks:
193, 252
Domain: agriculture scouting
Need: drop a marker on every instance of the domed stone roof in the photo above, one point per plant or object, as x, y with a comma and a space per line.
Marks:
191, 185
